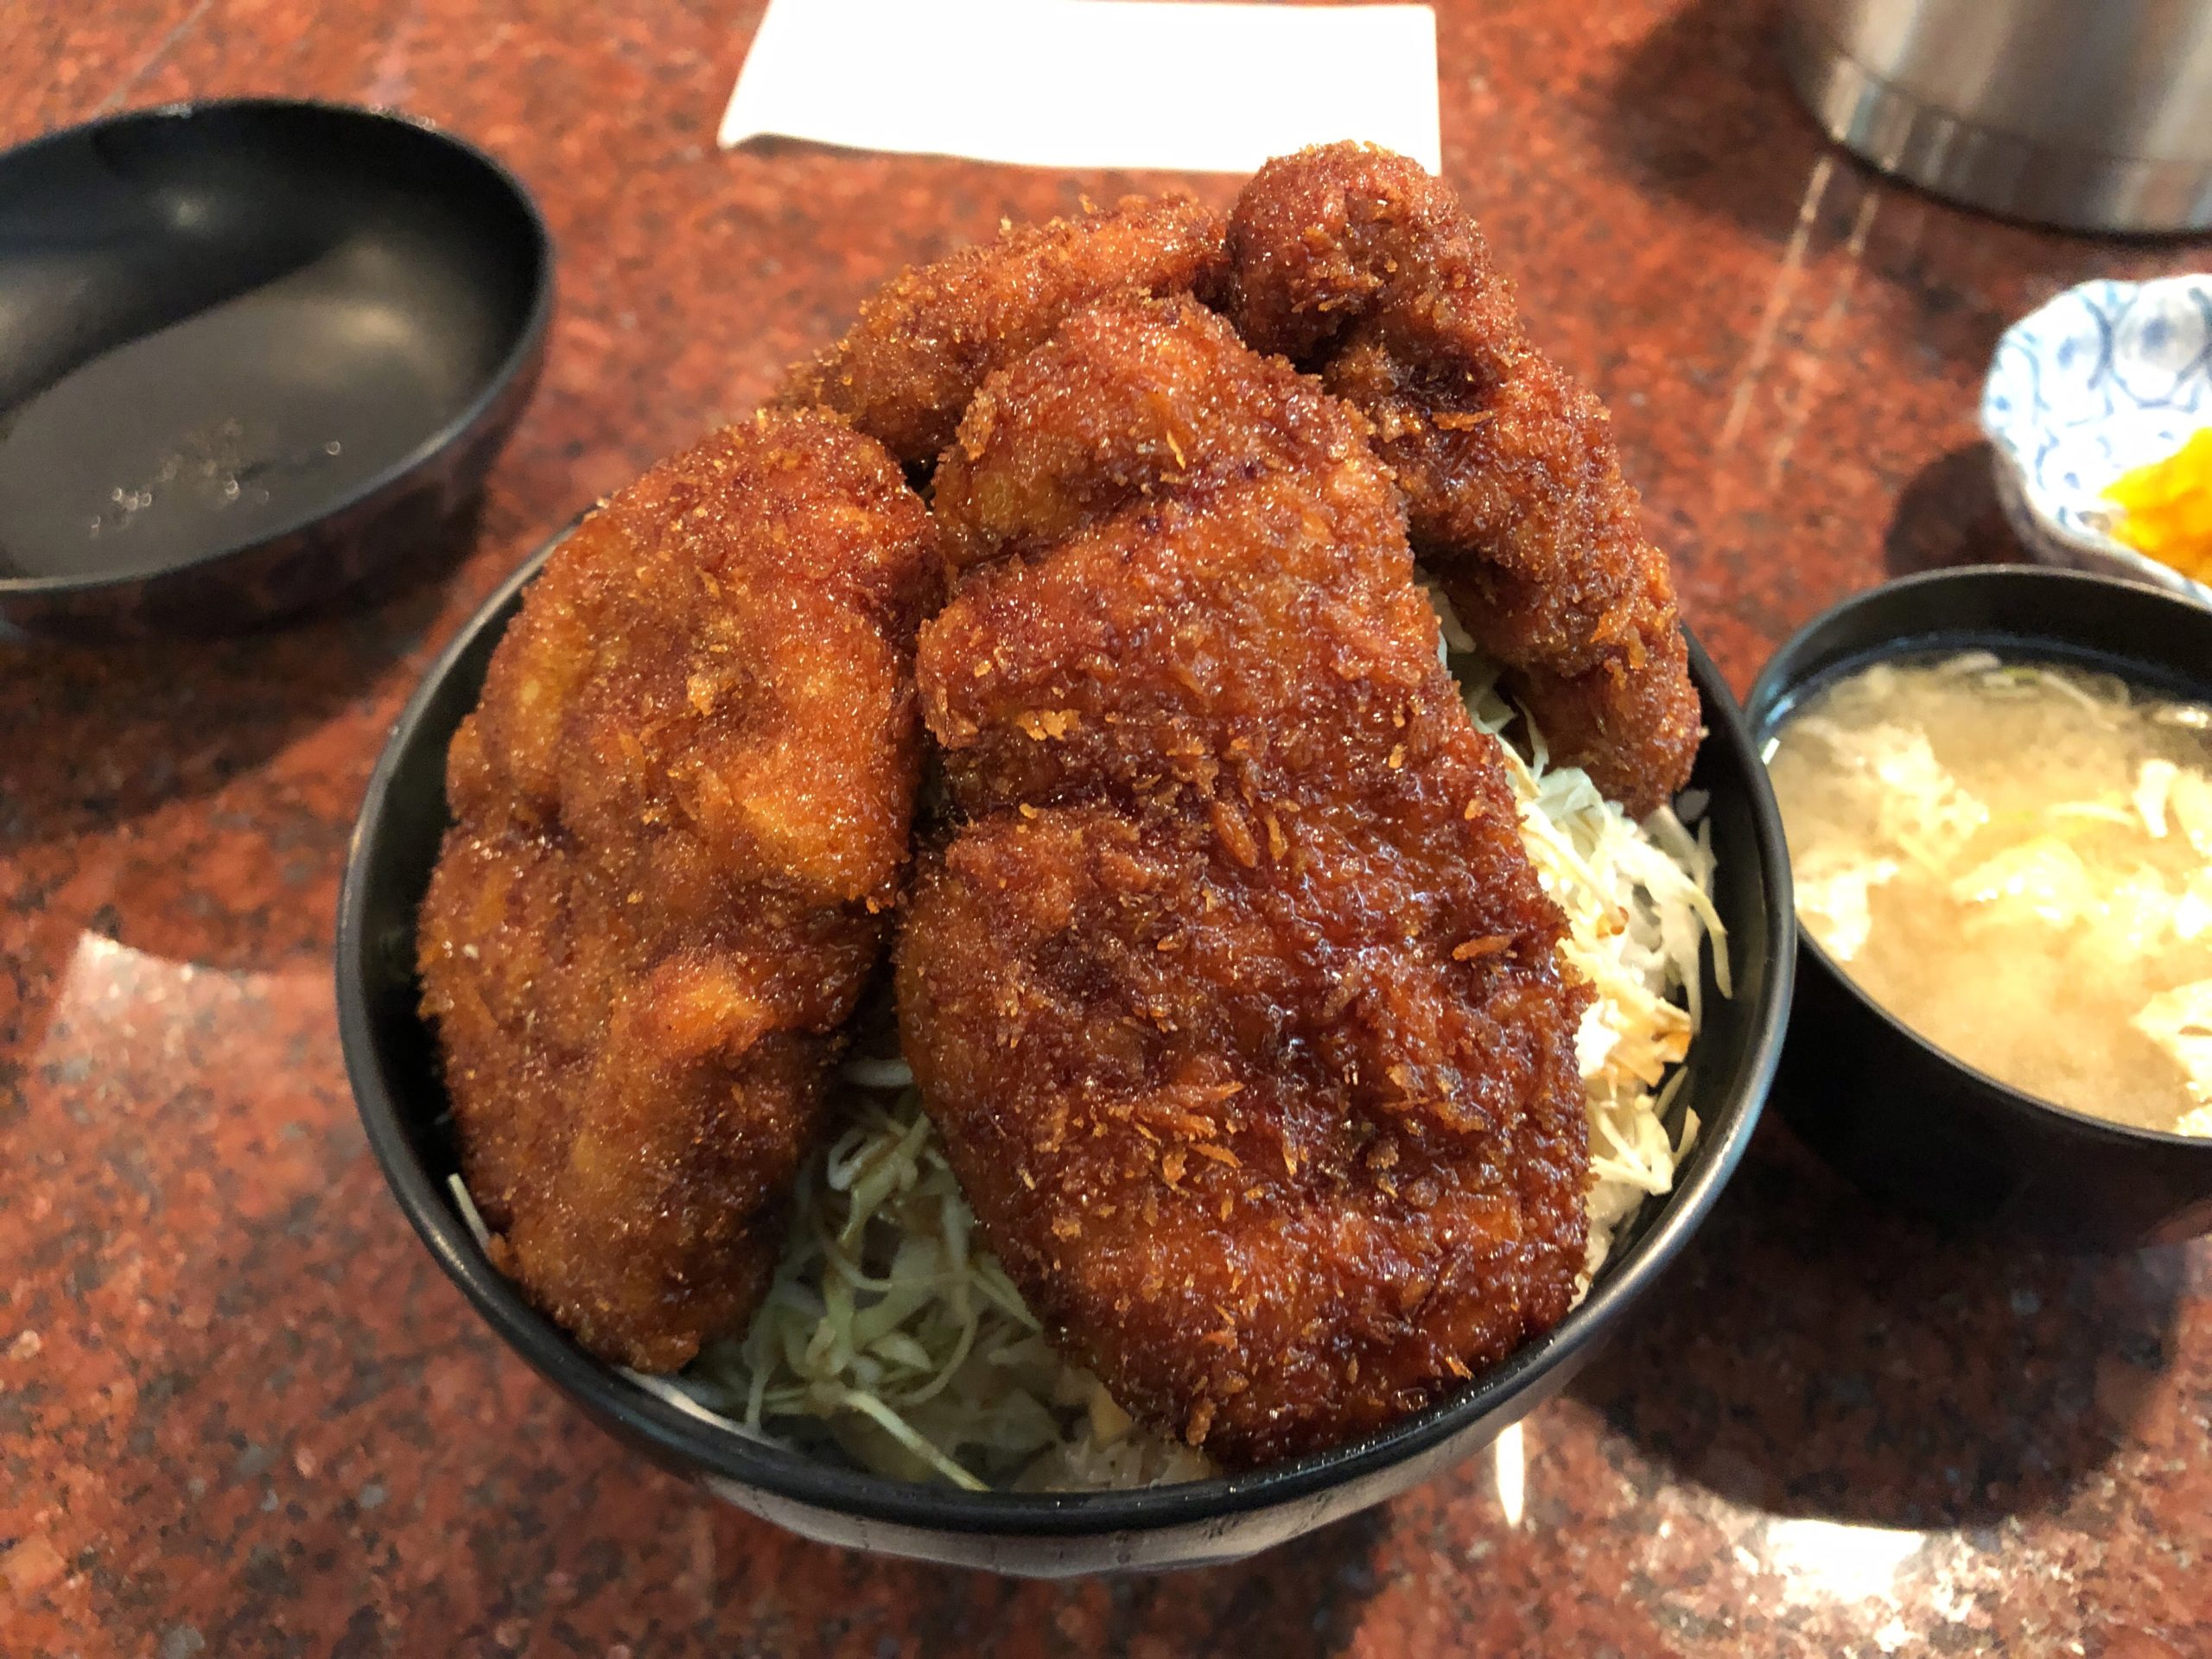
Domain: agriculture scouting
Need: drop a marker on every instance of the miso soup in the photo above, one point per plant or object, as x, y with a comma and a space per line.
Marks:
2015, 859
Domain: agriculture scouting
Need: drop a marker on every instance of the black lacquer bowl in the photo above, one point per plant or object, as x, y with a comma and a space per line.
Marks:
250, 351
1903, 1118
390, 1055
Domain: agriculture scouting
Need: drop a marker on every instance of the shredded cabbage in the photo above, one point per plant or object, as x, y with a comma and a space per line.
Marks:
889, 1334
1638, 900
886, 1326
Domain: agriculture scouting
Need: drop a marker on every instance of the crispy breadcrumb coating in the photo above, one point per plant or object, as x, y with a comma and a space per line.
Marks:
1234, 995
681, 812
1358, 265
906, 370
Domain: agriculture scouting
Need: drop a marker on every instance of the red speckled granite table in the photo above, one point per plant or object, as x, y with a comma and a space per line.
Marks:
241, 1412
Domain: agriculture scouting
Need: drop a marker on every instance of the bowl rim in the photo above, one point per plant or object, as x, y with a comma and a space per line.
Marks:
705, 1448
2037, 530
1778, 691
528, 339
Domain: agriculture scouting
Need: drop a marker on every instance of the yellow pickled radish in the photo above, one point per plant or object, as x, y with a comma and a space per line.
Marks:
2166, 507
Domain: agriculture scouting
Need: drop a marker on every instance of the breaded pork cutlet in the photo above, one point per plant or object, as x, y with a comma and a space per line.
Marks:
905, 371
1234, 995
1358, 265
681, 811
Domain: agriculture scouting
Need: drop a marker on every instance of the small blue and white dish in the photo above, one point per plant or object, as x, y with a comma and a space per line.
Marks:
2108, 377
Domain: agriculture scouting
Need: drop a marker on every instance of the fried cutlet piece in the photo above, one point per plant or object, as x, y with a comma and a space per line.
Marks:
1361, 267
681, 816
1182, 567
1233, 997
907, 368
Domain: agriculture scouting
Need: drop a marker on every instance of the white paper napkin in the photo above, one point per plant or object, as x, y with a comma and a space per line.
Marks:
1215, 88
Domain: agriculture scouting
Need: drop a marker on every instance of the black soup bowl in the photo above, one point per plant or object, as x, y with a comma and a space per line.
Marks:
250, 351
390, 1056
1905, 1120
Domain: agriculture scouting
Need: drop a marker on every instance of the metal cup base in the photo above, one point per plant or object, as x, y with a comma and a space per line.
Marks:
1978, 167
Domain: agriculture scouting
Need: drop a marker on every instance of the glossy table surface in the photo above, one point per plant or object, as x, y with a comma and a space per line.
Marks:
241, 1412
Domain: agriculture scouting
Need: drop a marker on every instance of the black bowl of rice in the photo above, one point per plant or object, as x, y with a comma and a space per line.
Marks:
894, 1394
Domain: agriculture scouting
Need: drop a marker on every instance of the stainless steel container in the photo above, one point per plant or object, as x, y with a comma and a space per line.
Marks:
2091, 115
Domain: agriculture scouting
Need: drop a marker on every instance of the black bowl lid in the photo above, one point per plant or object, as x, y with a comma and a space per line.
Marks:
236, 319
